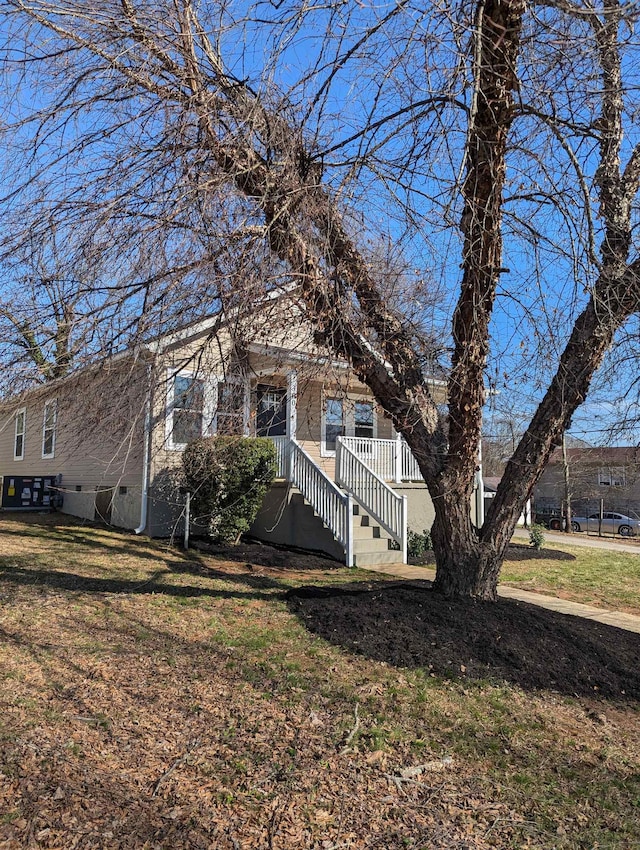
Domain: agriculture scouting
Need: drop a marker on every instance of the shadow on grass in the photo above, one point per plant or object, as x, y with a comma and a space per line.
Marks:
60, 580
109, 541
409, 625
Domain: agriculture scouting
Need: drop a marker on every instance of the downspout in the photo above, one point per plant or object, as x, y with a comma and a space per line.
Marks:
145, 460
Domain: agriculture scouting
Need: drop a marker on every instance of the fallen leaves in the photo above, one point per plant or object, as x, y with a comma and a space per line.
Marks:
207, 717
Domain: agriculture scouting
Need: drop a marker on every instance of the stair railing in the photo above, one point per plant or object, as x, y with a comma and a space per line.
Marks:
334, 507
390, 459
378, 499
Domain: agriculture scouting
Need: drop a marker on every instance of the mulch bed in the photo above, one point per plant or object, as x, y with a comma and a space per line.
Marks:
254, 553
515, 552
409, 625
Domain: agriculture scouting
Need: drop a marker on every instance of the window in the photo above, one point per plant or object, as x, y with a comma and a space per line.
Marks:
49, 422
363, 419
232, 407
345, 417
612, 477
186, 410
18, 446
333, 422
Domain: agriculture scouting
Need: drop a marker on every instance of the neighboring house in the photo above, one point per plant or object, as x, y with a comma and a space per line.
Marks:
611, 474
113, 436
490, 484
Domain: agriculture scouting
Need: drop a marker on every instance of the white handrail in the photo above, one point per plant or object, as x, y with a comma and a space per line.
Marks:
378, 499
334, 507
391, 460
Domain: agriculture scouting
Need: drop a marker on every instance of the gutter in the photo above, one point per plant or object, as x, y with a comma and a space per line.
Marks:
144, 498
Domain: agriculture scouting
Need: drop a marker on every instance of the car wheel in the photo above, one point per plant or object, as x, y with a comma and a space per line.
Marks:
555, 525
625, 531
575, 526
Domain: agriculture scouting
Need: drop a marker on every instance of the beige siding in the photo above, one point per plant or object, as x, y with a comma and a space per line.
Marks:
98, 438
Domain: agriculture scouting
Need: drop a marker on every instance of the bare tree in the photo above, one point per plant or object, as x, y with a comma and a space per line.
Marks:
473, 130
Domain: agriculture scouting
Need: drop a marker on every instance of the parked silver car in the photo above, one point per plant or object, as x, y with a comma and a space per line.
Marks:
612, 523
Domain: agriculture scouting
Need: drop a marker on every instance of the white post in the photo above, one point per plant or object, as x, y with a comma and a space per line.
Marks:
338, 473
479, 490
289, 460
187, 518
404, 523
398, 459
292, 407
349, 530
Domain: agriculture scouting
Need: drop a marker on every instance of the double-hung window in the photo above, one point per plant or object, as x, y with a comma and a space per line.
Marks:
49, 423
346, 417
21, 427
232, 413
186, 410
363, 419
333, 422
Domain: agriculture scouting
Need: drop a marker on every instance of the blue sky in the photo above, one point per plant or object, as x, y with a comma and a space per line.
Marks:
399, 180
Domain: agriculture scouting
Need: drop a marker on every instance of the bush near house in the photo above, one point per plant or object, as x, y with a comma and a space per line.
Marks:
228, 478
419, 544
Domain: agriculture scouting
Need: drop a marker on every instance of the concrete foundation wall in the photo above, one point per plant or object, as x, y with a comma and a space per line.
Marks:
285, 519
420, 513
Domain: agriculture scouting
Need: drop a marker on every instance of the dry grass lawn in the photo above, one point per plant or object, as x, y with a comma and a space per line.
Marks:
150, 700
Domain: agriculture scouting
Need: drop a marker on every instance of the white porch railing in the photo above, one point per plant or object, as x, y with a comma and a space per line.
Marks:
379, 500
282, 456
334, 507
391, 460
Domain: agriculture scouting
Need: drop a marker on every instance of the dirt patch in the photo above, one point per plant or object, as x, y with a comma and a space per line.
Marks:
409, 625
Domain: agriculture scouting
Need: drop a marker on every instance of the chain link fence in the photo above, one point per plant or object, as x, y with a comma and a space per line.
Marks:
611, 517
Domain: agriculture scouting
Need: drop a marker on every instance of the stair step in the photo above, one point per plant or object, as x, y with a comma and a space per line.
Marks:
370, 541
367, 532
371, 544
369, 559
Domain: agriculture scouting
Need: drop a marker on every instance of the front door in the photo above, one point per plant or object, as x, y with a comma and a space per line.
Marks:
271, 413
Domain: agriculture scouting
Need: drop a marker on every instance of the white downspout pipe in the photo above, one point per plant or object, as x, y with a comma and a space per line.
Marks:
144, 498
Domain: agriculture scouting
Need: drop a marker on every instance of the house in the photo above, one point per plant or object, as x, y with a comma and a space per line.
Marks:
112, 436
490, 487
607, 473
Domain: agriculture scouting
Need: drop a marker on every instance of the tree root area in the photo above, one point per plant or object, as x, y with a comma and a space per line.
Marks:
408, 624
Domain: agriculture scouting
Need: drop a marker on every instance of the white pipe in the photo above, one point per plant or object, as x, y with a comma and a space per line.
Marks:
145, 461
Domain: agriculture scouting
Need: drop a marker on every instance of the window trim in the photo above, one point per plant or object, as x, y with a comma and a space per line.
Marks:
349, 416
243, 381
207, 406
611, 472
22, 411
52, 402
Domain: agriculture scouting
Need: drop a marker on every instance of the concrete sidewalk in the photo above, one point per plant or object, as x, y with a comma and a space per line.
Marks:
630, 545
610, 618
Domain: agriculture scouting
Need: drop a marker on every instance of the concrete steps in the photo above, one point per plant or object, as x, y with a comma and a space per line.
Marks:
371, 543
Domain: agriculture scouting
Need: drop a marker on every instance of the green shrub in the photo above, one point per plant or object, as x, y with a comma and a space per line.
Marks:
419, 544
536, 536
228, 478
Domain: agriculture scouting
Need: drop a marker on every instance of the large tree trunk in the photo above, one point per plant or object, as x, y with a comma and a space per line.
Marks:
467, 564
244, 143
